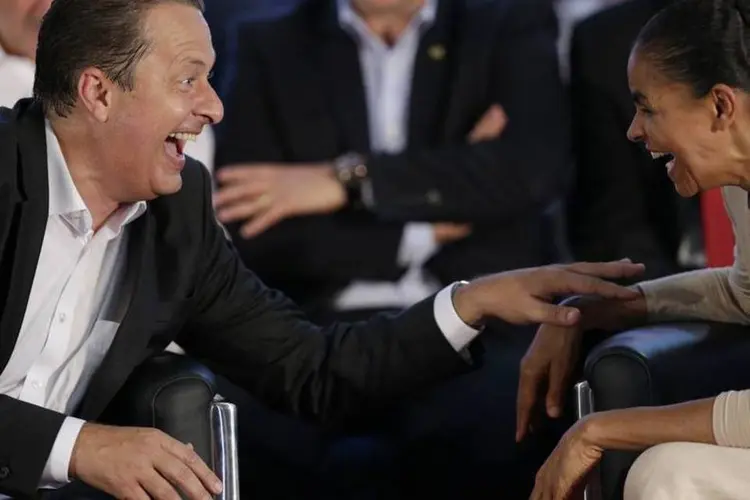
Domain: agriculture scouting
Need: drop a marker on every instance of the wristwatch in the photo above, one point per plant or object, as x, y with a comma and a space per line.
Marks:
351, 171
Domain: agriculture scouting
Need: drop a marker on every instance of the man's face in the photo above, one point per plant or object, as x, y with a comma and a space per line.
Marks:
19, 25
146, 129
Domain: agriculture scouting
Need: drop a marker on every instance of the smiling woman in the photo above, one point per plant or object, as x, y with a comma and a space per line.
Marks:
689, 74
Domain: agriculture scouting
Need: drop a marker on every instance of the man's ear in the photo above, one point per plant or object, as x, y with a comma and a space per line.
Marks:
96, 93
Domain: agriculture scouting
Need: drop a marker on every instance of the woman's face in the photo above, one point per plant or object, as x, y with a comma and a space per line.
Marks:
693, 137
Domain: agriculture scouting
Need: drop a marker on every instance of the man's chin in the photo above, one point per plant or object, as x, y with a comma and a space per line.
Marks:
170, 186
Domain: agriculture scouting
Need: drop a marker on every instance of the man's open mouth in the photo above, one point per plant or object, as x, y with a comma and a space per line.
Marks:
176, 142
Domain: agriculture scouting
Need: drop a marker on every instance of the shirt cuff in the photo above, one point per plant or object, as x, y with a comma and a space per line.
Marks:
456, 332
55, 473
417, 244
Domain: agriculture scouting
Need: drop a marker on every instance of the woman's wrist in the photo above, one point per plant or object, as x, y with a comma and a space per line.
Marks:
609, 314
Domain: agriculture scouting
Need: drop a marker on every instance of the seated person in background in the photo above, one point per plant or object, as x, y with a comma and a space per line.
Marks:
19, 29
446, 122
620, 204
223, 16
108, 253
689, 76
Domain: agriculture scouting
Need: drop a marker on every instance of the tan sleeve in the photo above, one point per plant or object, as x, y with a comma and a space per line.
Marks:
731, 419
721, 294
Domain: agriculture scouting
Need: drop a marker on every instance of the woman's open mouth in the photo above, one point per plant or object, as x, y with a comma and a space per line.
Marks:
666, 159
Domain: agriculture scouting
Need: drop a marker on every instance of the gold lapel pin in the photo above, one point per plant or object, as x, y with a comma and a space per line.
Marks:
436, 52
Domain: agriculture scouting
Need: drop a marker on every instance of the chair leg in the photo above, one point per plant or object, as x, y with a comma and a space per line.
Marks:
224, 448
584, 401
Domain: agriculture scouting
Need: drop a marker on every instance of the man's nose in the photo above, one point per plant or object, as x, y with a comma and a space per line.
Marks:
211, 106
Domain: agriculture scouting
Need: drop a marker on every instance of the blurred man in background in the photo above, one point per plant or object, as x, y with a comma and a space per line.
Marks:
446, 122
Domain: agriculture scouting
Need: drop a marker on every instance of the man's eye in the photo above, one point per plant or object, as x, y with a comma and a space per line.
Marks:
188, 81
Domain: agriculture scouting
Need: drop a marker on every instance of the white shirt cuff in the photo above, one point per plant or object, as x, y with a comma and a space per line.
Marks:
55, 473
417, 244
458, 333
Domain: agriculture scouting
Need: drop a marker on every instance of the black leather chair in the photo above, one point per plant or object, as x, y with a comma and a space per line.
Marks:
177, 395
658, 365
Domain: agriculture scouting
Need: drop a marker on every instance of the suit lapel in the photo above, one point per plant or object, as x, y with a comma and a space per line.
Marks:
432, 74
24, 225
132, 336
342, 80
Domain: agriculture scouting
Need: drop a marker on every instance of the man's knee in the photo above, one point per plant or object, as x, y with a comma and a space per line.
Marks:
664, 472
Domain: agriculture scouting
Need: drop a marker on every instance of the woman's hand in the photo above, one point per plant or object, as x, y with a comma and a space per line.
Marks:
569, 464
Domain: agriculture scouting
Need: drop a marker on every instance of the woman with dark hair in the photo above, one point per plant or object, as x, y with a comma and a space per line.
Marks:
689, 73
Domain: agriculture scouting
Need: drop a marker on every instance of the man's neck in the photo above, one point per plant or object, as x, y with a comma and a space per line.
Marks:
389, 25
85, 177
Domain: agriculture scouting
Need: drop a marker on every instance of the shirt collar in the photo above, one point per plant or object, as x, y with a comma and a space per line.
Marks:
66, 201
348, 17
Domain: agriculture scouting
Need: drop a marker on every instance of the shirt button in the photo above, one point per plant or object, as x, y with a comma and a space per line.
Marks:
36, 384
4, 472
62, 317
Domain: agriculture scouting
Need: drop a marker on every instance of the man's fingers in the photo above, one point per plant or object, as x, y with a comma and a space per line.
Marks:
568, 282
610, 270
244, 210
159, 488
241, 173
544, 313
490, 125
261, 223
197, 468
232, 193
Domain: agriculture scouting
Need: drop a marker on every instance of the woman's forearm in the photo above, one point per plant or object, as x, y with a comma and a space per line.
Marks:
640, 428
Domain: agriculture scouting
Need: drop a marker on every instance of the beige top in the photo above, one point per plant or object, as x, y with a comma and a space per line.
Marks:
720, 294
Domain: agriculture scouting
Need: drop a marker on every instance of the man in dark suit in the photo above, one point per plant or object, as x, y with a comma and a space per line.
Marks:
622, 203
109, 252
447, 119
462, 121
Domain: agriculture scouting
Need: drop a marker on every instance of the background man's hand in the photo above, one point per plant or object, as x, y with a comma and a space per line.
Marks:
490, 126
140, 464
523, 296
264, 195
448, 232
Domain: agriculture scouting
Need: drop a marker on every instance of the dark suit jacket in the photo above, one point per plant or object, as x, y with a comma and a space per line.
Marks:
298, 96
190, 286
623, 204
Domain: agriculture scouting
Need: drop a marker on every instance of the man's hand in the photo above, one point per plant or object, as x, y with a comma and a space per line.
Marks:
523, 296
141, 464
266, 194
548, 363
490, 125
448, 232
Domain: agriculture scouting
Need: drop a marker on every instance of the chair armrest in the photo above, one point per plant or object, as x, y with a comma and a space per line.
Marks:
668, 363
660, 365
171, 393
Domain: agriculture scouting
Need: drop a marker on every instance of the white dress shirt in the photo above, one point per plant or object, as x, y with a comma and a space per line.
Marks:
73, 313
387, 73
78, 300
